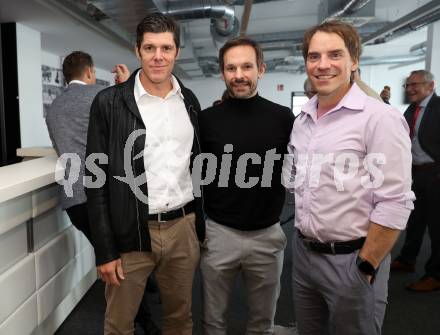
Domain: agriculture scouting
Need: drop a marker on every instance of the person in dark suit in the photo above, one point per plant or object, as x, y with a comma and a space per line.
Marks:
423, 117
67, 121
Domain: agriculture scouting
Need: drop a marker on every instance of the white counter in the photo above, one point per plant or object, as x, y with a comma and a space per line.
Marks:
21, 178
46, 265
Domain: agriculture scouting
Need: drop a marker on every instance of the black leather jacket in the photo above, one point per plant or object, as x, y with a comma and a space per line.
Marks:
118, 219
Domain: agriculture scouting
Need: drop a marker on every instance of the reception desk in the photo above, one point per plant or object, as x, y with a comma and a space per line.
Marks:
46, 265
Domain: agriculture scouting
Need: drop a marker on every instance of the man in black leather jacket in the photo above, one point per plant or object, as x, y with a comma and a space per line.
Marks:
142, 140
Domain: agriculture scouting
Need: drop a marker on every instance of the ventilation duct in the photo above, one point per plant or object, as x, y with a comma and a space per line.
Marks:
415, 20
418, 49
357, 12
224, 23
390, 60
349, 8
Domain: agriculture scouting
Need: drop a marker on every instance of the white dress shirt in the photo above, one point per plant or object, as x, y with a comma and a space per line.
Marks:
76, 81
168, 144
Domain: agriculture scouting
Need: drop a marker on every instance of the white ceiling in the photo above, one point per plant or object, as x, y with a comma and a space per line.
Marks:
60, 33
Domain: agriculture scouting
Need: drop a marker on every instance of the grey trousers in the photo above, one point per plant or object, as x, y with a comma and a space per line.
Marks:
331, 296
259, 256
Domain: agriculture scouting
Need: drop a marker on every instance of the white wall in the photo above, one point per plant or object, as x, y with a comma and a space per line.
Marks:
379, 75
291, 82
32, 125
50, 59
53, 60
433, 56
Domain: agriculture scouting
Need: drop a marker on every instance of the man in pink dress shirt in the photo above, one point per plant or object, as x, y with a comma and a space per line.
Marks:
352, 184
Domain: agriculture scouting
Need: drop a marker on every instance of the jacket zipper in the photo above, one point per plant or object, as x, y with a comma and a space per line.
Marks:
191, 109
135, 195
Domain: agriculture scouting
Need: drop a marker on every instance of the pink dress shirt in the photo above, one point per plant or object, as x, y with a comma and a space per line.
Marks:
351, 166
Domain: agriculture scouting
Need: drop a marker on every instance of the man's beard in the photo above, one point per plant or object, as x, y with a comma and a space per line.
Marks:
251, 89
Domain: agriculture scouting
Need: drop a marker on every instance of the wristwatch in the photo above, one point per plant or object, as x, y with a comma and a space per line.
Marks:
366, 267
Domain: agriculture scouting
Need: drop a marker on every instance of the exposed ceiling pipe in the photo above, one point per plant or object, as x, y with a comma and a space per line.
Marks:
411, 27
245, 17
418, 49
417, 60
350, 7
415, 20
390, 60
358, 6
182, 10
224, 23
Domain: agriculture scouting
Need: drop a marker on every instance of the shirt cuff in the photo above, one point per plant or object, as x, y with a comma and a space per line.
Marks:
392, 215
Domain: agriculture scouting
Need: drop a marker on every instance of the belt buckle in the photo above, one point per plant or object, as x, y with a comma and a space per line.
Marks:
159, 218
332, 248
183, 211
307, 244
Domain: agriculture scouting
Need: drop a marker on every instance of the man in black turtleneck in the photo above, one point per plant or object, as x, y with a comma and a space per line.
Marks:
248, 136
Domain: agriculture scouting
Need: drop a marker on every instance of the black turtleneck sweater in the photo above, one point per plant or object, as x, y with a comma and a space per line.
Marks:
253, 126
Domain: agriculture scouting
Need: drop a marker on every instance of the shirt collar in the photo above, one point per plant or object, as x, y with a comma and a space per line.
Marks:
139, 90
76, 81
425, 101
354, 99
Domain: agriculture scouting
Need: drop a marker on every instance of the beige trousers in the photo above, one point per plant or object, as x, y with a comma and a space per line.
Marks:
174, 258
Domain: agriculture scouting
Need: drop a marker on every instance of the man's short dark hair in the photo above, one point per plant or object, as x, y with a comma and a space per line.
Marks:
75, 64
240, 41
347, 32
157, 23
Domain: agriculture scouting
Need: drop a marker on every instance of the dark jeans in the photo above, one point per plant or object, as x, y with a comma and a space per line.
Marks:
426, 213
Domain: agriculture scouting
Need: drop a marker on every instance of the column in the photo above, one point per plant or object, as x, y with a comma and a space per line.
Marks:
433, 51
